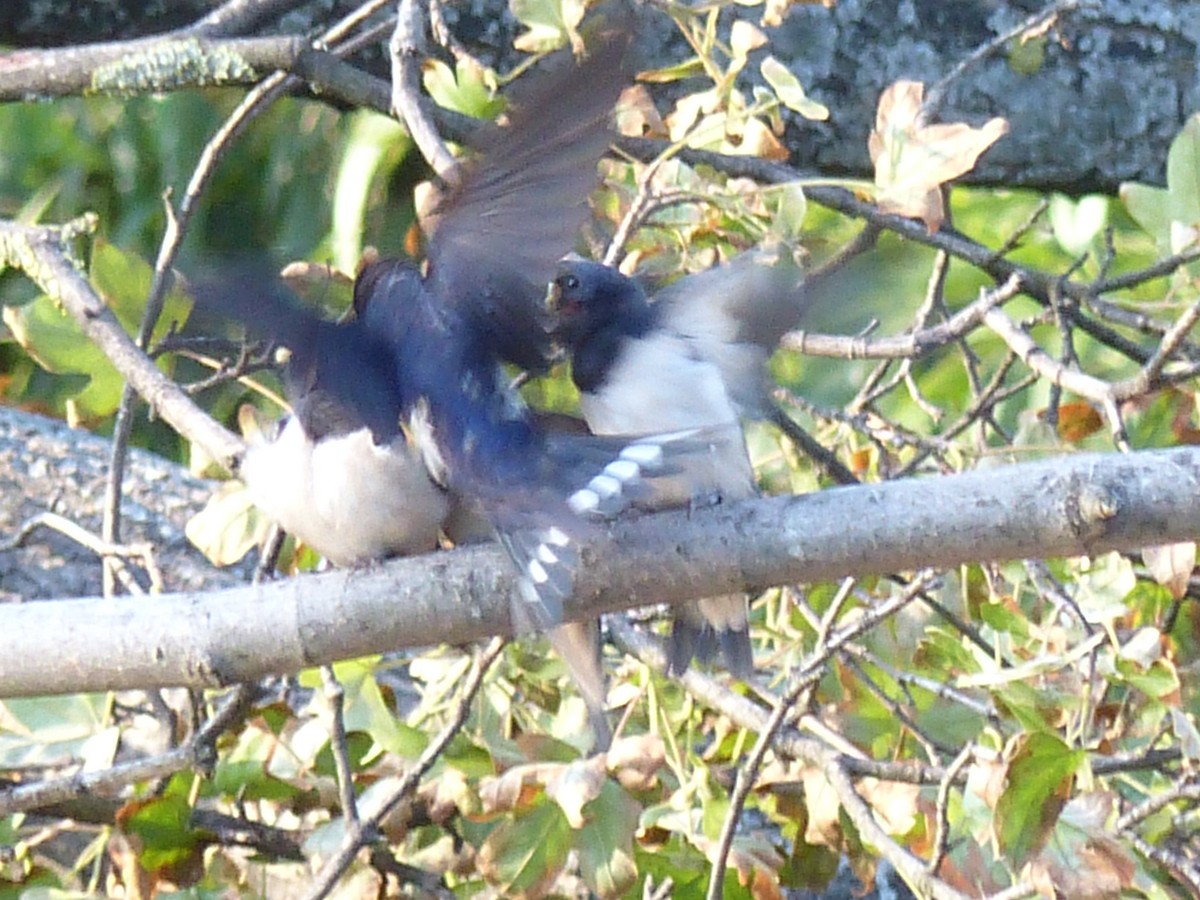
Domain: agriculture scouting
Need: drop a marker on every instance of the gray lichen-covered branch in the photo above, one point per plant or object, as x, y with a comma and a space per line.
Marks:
1093, 102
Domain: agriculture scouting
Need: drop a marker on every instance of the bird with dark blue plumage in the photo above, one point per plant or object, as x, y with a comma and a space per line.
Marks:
422, 358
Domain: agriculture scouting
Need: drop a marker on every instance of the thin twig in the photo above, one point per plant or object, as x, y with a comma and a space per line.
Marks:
357, 835
335, 697
407, 47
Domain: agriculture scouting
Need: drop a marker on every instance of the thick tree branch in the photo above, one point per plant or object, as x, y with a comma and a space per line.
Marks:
43, 254
1073, 505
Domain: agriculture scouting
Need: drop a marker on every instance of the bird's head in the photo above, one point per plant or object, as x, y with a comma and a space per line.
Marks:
588, 297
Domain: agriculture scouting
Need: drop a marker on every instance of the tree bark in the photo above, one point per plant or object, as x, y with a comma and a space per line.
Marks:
1093, 104
46, 466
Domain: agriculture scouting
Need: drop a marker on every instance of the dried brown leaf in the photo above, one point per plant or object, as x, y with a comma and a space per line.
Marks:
913, 160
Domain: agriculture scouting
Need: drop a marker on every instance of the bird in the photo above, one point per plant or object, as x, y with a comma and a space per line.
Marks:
694, 356
423, 357
319, 475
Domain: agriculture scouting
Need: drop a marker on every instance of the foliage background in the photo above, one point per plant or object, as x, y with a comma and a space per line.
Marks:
1071, 680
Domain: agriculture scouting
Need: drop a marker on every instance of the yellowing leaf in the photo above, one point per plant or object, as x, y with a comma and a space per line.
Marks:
744, 37
635, 761
576, 785
637, 116
1078, 420
790, 92
1083, 861
228, 527
517, 788
913, 160
895, 803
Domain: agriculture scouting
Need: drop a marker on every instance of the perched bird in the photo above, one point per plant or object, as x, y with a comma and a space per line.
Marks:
694, 357
322, 477
423, 356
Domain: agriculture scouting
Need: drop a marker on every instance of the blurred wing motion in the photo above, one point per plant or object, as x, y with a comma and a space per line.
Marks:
518, 206
423, 356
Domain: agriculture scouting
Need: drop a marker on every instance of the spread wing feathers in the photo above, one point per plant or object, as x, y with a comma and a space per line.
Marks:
734, 315
600, 477
516, 208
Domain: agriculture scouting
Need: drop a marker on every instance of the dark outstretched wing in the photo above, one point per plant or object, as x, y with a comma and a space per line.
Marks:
520, 203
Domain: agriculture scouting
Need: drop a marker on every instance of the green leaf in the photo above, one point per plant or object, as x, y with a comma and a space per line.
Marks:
1038, 784
1078, 224
1159, 680
1005, 620
56, 731
164, 826
374, 146
1183, 174
791, 209
50, 335
1149, 206
605, 843
690, 68
790, 92
526, 853
468, 88
551, 23
365, 709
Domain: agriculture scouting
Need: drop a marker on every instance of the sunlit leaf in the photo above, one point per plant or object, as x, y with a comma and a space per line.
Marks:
374, 146
744, 37
1078, 224
551, 24
790, 92
1038, 784
1171, 565
913, 160
46, 732
229, 526
468, 88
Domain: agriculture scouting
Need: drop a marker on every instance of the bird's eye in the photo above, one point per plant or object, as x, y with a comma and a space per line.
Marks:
570, 282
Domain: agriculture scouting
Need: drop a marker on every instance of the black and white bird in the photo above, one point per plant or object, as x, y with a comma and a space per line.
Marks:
422, 359
693, 357
321, 476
